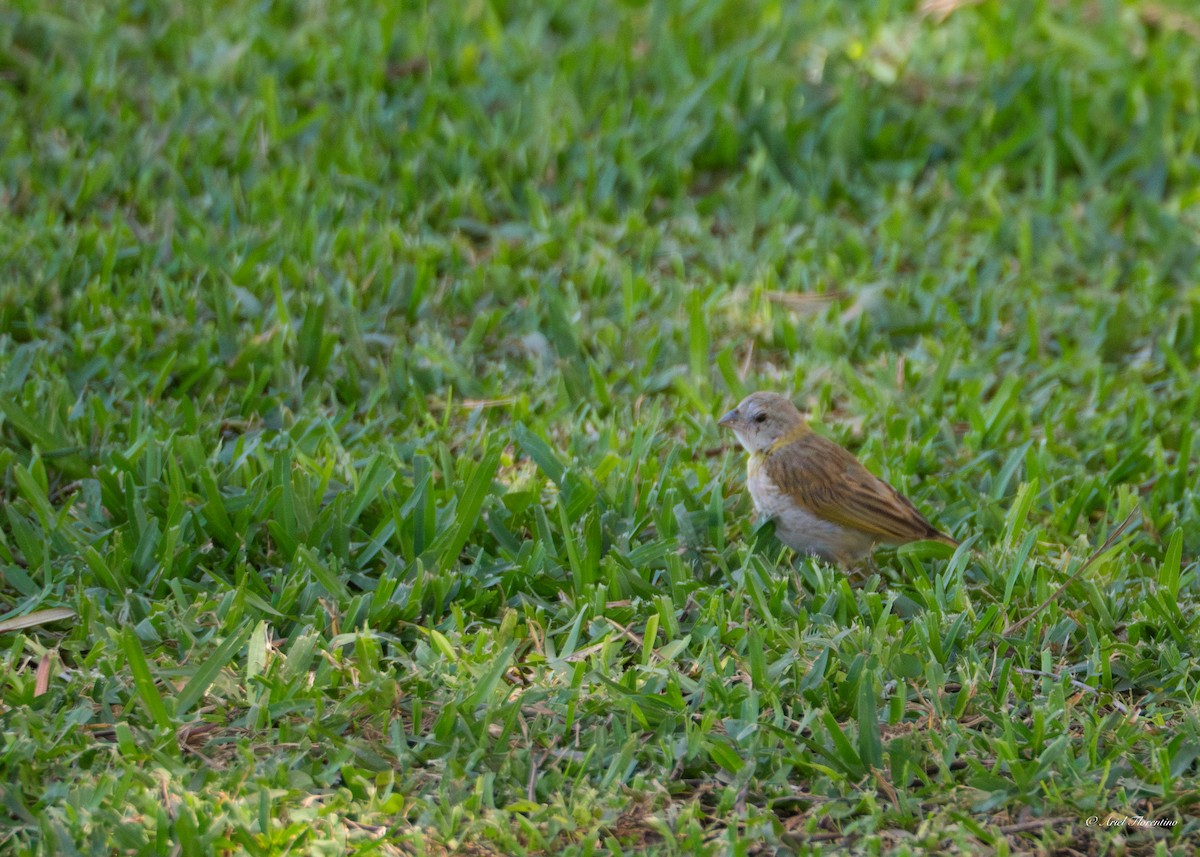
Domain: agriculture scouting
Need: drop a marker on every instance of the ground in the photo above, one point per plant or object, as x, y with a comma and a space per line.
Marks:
360, 479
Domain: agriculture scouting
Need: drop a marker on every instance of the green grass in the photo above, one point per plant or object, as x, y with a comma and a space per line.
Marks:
359, 367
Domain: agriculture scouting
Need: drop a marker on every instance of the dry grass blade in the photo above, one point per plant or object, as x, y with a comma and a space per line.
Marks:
1099, 552
442, 405
747, 363
41, 682
1175, 20
804, 302
37, 617
940, 10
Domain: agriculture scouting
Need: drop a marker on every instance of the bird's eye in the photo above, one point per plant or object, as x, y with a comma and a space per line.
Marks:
760, 418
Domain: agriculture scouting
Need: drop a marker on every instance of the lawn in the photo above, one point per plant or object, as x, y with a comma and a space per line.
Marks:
360, 482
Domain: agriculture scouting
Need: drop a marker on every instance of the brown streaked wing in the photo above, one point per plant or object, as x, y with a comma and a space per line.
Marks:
830, 482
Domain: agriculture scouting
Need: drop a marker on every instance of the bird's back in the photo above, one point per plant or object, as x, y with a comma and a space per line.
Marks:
825, 502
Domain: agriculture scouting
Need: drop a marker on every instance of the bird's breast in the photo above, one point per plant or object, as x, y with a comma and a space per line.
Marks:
768, 499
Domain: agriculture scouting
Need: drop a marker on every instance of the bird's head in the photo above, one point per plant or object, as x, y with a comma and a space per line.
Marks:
761, 419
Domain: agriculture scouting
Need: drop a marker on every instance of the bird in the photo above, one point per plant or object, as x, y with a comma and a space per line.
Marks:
821, 498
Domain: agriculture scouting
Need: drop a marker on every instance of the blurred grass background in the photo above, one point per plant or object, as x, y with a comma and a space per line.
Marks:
358, 373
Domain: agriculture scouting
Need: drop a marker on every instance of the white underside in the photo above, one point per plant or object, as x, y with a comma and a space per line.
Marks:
803, 531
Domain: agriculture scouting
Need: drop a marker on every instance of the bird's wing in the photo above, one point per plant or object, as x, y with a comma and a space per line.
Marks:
828, 481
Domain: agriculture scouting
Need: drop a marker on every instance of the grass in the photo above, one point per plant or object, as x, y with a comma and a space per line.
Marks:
359, 367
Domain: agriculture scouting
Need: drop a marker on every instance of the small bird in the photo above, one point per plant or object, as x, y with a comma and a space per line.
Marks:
822, 500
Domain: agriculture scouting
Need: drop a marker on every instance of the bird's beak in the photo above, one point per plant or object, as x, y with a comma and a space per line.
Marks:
728, 419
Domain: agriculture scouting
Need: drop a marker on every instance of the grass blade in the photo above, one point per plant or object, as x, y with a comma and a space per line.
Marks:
143, 679
203, 678
466, 514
